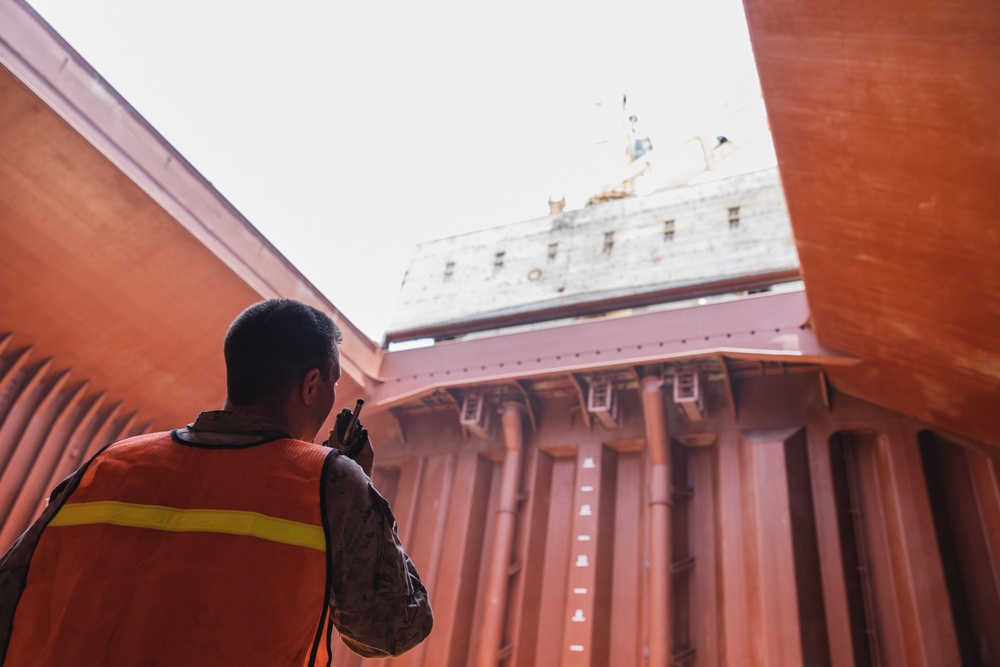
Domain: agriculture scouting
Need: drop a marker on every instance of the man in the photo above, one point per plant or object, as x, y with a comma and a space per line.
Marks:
232, 541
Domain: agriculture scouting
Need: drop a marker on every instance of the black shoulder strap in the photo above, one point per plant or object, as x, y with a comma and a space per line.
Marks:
326, 617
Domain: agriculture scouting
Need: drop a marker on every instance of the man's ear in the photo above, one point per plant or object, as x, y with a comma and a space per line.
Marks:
309, 386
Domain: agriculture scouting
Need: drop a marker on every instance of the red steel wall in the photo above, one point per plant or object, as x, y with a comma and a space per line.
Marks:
52, 419
801, 534
805, 528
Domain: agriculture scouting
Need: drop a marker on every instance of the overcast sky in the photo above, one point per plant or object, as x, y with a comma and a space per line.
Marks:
349, 132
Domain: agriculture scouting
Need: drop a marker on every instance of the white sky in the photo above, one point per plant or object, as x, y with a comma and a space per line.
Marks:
349, 132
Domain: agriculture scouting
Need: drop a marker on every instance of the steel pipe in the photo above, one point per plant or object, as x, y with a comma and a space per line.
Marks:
503, 538
657, 442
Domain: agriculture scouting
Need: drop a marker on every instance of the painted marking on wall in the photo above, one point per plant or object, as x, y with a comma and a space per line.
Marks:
576, 648
582, 561
578, 616
585, 510
580, 591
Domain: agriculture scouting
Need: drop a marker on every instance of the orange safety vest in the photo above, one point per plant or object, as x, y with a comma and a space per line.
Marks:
179, 554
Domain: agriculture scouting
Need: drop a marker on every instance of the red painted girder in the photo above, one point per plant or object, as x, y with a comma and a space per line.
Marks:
770, 326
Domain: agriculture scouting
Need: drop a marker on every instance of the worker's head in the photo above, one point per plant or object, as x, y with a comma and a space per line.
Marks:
280, 355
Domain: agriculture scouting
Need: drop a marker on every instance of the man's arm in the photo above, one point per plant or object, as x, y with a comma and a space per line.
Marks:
379, 604
15, 563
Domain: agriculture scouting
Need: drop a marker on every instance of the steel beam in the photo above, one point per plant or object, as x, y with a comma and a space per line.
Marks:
770, 326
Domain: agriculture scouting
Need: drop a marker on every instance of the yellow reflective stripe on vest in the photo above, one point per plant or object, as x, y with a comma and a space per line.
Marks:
157, 517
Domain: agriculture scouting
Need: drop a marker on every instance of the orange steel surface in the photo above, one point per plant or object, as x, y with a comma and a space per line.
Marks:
884, 120
97, 276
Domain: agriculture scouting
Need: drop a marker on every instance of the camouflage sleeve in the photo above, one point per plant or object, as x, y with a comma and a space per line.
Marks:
379, 605
15, 563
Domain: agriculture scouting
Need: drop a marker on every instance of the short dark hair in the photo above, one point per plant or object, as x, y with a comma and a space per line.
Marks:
271, 344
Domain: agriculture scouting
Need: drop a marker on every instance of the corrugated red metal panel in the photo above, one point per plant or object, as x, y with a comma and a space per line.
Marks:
961, 484
760, 575
51, 420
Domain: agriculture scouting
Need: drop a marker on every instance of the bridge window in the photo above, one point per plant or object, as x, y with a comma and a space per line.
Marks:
734, 217
609, 242
553, 249
668, 230
498, 260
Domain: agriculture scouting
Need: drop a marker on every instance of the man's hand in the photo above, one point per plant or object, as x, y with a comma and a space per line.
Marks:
358, 446
366, 457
